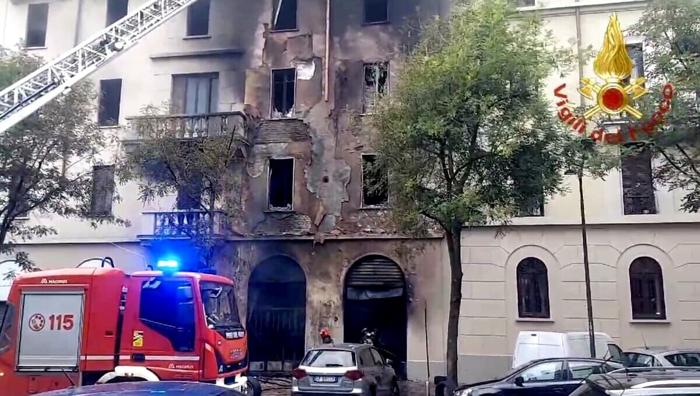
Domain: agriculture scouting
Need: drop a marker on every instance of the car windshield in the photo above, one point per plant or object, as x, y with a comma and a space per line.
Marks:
329, 358
219, 302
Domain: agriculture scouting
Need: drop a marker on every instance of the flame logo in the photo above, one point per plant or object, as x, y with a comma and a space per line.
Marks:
613, 61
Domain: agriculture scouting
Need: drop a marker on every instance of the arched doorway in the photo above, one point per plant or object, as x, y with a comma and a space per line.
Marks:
375, 298
276, 315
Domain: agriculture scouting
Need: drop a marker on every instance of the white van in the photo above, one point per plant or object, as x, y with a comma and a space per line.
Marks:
532, 345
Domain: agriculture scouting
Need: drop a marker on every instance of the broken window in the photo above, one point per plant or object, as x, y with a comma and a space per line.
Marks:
637, 181
285, 17
375, 182
283, 93
376, 77
102, 190
195, 93
281, 184
37, 17
198, 18
376, 11
116, 10
110, 100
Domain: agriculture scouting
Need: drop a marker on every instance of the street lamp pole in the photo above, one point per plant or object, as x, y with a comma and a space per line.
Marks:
586, 267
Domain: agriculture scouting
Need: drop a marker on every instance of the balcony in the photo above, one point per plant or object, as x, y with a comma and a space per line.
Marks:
184, 224
182, 126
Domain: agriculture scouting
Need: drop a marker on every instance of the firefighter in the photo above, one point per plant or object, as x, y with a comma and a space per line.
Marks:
326, 336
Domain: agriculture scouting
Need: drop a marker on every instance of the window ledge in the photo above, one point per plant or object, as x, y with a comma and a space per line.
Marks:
540, 320
369, 208
376, 23
279, 210
284, 30
109, 126
650, 321
35, 48
197, 37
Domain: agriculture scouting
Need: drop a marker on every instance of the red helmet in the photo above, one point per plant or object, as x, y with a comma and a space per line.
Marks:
325, 332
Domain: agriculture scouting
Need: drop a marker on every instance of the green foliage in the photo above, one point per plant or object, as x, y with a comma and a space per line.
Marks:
46, 160
466, 135
672, 54
198, 160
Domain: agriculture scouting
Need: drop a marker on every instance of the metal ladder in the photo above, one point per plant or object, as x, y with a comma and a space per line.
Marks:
27, 95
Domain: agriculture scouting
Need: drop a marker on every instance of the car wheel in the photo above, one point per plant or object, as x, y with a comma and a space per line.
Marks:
395, 389
254, 388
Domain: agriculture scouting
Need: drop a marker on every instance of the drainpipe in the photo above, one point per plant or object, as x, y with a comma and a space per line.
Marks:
78, 23
579, 53
327, 76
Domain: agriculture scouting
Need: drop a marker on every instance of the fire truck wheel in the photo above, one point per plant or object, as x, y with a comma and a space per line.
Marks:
254, 388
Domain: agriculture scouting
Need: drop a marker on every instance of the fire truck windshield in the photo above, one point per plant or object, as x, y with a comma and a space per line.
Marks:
220, 305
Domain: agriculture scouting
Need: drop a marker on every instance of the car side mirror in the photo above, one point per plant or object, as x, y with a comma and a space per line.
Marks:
389, 362
519, 381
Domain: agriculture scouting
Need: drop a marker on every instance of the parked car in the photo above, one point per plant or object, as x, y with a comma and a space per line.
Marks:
645, 381
531, 345
146, 389
662, 357
546, 377
358, 369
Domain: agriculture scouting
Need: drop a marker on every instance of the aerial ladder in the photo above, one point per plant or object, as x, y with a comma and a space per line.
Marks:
27, 95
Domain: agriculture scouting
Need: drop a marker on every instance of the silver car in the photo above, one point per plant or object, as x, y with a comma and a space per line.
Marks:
662, 357
356, 369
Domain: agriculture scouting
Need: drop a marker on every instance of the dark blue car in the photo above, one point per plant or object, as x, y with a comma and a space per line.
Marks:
542, 377
146, 389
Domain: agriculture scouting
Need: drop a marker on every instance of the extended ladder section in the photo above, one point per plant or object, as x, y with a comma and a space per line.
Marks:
49, 81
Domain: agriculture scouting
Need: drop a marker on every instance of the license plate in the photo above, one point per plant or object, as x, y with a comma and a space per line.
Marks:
325, 379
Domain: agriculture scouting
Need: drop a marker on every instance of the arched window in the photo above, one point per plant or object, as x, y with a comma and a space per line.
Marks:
647, 289
533, 289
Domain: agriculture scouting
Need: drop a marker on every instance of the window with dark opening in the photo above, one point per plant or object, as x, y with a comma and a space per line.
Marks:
525, 3
102, 190
283, 93
285, 17
37, 17
281, 184
376, 11
533, 289
167, 306
637, 181
116, 10
110, 102
647, 289
195, 93
189, 197
375, 182
376, 78
198, 18
636, 52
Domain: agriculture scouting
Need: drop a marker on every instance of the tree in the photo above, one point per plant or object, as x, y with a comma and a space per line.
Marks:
46, 160
672, 54
466, 135
198, 159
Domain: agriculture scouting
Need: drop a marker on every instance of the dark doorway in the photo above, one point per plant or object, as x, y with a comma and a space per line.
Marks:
276, 315
375, 298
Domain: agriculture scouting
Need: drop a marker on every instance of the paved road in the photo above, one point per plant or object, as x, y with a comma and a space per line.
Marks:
280, 387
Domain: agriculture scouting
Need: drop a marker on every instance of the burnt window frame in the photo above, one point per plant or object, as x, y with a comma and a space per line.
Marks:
191, 20
366, 108
109, 18
292, 111
628, 193
363, 203
44, 20
537, 275
290, 207
108, 189
275, 17
365, 8
104, 119
641, 301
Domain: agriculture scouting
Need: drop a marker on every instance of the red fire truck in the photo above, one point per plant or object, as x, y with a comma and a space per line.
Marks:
80, 326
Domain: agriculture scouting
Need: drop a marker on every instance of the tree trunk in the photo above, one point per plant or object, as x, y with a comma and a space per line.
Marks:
454, 251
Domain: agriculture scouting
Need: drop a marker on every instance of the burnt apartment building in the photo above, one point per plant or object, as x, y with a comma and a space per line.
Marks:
314, 246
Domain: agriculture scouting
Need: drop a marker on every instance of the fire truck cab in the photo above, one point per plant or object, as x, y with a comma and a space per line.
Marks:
78, 326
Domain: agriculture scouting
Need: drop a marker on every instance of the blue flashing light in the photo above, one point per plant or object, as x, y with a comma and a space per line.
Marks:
168, 264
